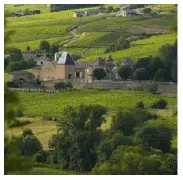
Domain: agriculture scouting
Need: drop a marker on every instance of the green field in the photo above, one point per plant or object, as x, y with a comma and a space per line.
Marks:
39, 105
53, 104
93, 34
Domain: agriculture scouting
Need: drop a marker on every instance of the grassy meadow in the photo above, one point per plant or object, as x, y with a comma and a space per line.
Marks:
37, 105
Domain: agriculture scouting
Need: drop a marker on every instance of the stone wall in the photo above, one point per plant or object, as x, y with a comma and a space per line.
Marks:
163, 87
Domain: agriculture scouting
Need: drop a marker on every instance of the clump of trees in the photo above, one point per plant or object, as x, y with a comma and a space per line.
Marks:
49, 49
75, 145
122, 43
61, 7
15, 61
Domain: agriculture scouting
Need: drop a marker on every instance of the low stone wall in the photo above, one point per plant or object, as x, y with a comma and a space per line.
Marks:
32, 90
163, 87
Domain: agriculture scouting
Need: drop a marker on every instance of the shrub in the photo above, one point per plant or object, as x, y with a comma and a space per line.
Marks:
140, 74
31, 145
152, 116
38, 158
127, 120
63, 85
140, 104
19, 113
156, 137
99, 73
152, 88
17, 123
124, 71
27, 132
160, 104
41, 156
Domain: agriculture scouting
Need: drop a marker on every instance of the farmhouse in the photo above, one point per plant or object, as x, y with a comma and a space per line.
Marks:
88, 12
133, 12
79, 14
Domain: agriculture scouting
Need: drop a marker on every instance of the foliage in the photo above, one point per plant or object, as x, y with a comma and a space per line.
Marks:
99, 73
156, 137
140, 104
110, 143
53, 49
143, 62
28, 48
27, 132
140, 74
147, 10
160, 104
41, 156
124, 72
61, 7
63, 85
152, 88
15, 54
20, 65
30, 145
122, 43
76, 145
45, 45
127, 120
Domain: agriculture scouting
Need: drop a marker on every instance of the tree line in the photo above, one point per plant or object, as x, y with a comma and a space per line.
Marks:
160, 68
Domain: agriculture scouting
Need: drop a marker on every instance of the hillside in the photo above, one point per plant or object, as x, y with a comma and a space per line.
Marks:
89, 36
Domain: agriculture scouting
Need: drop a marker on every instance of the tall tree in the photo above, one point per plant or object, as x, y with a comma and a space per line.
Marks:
45, 45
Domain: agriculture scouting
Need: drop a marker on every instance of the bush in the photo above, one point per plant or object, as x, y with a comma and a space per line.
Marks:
27, 132
140, 74
124, 72
152, 116
41, 156
152, 88
17, 123
156, 137
99, 73
160, 104
38, 158
19, 113
127, 120
31, 145
63, 85
140, 104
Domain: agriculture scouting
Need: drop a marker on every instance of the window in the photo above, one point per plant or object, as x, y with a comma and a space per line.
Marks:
69, 76
77, 74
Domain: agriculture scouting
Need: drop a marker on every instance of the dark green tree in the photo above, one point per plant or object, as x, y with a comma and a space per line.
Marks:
15, 54
156, 137
140, 74
45, 45
147, 10
53, 49
28, 48
99, 73
76, 144
125, 71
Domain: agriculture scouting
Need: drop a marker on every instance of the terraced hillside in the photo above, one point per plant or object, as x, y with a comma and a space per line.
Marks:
89, 36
